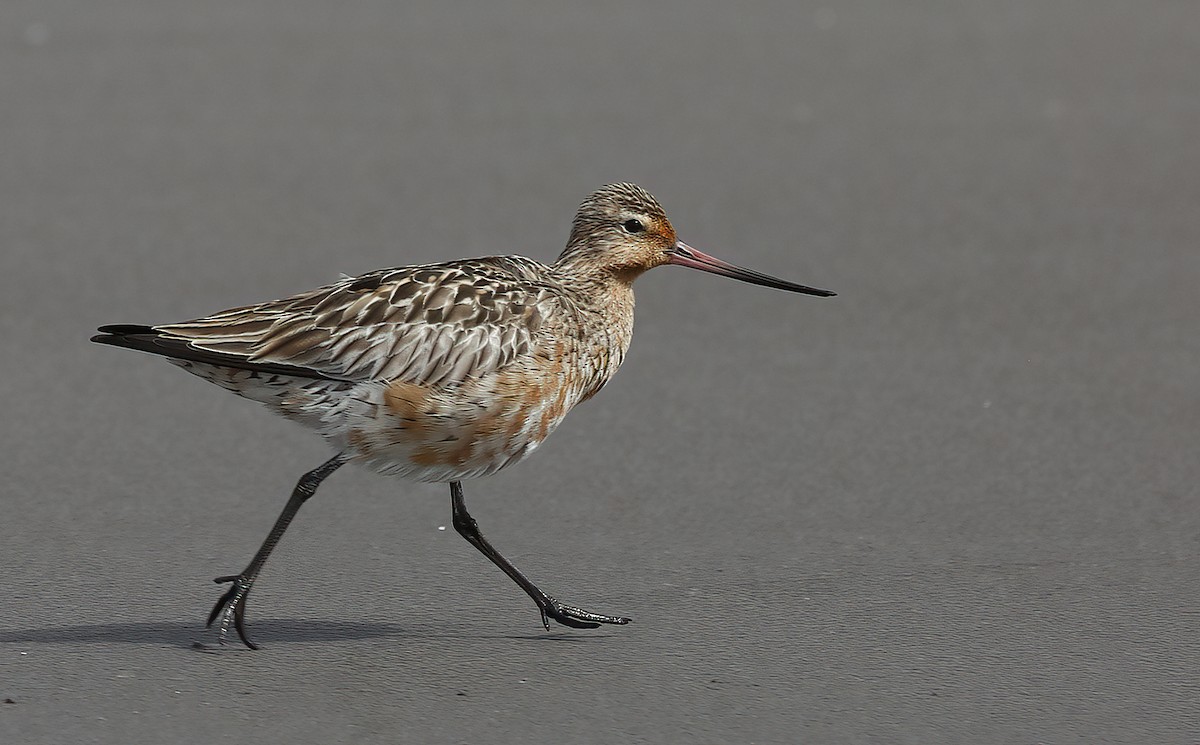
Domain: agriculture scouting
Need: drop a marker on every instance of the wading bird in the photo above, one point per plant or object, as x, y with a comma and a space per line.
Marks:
440, 372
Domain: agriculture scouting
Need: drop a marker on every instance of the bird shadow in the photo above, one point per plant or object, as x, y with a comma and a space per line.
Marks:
267, 632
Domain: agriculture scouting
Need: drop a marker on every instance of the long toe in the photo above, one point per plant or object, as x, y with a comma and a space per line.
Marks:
239, 623
579, 618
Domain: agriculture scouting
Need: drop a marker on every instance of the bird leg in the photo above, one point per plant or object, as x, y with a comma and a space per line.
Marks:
232, 605
550, 608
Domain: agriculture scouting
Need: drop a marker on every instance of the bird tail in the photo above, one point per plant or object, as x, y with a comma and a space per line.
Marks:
134, 336
154, 341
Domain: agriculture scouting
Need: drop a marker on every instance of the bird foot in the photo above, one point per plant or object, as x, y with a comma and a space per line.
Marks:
231, 608
577, 618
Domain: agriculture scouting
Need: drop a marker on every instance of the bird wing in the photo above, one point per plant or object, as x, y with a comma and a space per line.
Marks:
426, 325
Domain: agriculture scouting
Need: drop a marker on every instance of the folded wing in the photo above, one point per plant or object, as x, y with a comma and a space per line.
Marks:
427, 325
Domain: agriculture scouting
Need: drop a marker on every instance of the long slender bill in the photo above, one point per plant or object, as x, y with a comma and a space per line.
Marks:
684, 255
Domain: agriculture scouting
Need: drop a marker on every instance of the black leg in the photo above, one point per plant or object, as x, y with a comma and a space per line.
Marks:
232, 605
550, 608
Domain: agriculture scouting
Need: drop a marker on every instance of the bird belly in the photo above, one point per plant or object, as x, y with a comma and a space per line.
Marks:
431, 434
466, 431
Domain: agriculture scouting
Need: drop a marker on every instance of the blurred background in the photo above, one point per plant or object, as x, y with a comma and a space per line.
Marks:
957, 503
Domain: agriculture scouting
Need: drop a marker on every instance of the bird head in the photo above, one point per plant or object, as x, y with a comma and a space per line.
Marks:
621, 230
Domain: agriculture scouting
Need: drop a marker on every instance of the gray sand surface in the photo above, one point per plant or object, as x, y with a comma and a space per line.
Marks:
957, 503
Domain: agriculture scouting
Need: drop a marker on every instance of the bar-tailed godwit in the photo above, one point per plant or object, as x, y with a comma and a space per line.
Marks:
440, 372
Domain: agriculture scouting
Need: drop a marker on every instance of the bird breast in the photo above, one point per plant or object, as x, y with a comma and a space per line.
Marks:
477, 427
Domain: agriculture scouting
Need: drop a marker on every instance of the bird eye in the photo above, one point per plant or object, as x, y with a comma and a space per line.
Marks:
633, 226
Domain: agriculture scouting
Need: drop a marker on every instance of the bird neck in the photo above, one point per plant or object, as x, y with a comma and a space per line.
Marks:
596, 285
602, 299
583, 265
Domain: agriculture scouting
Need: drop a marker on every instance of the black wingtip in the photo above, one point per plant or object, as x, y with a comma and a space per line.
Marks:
148, 339
123, 329
118, 334
113, 334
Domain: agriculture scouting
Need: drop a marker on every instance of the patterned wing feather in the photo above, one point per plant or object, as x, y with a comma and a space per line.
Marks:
427, 325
